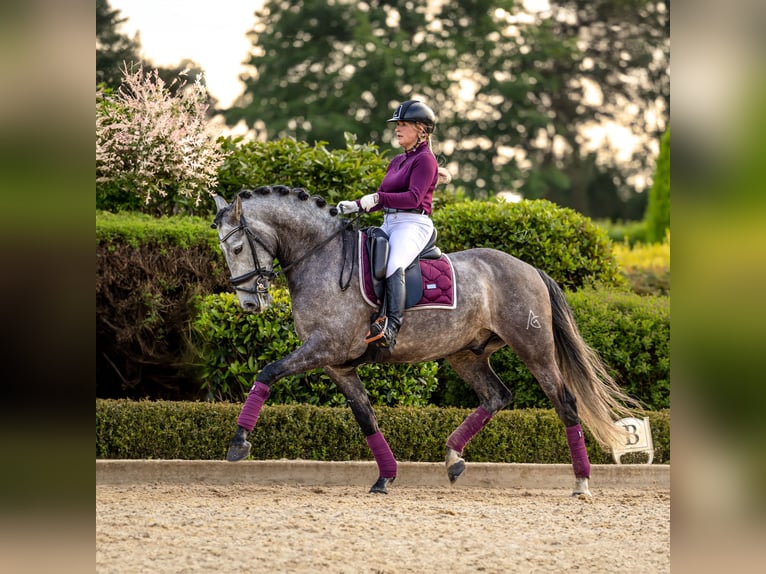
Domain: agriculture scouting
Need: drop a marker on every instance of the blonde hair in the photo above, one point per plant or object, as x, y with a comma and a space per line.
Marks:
445, 176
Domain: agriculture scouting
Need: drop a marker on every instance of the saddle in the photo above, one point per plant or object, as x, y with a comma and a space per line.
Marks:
376, 248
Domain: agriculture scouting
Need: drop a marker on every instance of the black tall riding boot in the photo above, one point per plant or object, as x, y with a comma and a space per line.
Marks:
386, 328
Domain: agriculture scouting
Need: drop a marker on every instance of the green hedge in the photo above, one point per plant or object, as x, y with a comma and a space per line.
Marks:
148, 272
151, 272
137, 229
568, 246
231, 347
201, 431
632, 334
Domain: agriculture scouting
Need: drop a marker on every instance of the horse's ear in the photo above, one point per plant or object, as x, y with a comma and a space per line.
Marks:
220, 202
236, 213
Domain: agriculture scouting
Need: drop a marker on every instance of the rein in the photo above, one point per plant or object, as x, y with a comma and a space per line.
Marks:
264, 274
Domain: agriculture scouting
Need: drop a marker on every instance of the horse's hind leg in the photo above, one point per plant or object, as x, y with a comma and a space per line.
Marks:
493, 396
347, 380
549, 377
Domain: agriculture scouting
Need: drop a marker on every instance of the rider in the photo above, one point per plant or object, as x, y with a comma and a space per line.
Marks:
404, 196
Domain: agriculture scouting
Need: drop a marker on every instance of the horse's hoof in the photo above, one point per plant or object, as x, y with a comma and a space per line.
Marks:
581, 488
456, 470
381, 485
583, 495
579, 492
238, 451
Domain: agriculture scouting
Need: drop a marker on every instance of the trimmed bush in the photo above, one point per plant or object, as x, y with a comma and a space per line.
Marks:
630, 332
646, 267
138, 229
201, 431
231, 347
565, 244
148, 271
336, 175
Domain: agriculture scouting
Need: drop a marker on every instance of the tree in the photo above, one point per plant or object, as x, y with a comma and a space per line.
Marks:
620, 76
112, 47
510, 89
322, 68
658, 209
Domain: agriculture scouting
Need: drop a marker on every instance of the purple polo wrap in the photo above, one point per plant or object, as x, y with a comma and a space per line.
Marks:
255, 399
466, 431
576, 441
383, 455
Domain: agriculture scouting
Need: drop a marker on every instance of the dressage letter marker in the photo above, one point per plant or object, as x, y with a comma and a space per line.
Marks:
639, 439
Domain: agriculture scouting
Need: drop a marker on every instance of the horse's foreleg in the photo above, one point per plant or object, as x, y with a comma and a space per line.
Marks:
303, 359
239, 447
493, 395
347, 380
385, 460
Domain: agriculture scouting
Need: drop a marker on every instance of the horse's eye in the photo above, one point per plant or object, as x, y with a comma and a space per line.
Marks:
237, 250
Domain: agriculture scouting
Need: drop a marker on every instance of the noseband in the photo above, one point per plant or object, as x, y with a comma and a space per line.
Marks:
263, 275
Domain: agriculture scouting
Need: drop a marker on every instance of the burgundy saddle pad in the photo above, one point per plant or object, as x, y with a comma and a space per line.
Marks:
438, 281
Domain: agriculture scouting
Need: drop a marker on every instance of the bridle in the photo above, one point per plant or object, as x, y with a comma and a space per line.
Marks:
265, 275
262, 274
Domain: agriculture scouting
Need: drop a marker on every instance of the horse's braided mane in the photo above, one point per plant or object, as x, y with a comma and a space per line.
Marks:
298, 192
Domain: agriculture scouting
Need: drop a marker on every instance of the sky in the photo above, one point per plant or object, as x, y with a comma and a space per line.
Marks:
213, 34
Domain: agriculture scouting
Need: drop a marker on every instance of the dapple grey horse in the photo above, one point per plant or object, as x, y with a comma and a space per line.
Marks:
501, 301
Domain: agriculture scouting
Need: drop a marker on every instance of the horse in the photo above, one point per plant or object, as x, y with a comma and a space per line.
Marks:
500, 301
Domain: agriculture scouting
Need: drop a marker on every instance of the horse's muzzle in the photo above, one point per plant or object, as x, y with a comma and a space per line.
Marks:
255, 303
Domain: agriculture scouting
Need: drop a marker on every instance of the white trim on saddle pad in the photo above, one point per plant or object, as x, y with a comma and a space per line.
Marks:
374, 305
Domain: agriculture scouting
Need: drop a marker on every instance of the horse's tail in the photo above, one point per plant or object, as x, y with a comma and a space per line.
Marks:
600, 401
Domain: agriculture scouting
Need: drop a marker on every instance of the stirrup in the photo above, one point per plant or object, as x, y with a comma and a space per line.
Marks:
377, 330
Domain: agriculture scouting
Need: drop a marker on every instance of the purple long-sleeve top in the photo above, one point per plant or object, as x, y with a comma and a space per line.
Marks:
409, 181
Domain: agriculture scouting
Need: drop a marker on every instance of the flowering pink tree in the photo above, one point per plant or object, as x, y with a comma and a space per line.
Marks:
154, 151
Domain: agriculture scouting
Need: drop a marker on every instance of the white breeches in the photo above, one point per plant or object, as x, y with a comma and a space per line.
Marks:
408, 234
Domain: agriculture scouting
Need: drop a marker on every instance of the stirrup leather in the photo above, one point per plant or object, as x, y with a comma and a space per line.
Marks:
377, 330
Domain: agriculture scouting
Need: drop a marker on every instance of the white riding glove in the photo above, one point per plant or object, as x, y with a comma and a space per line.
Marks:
369, 201
348, 207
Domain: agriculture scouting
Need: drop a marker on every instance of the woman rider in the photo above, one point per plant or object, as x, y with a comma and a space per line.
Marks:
404, 196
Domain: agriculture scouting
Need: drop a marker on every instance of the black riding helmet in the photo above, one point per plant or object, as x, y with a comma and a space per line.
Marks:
415, 111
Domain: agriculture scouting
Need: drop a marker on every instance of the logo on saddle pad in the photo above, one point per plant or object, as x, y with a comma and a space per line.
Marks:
429, 284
